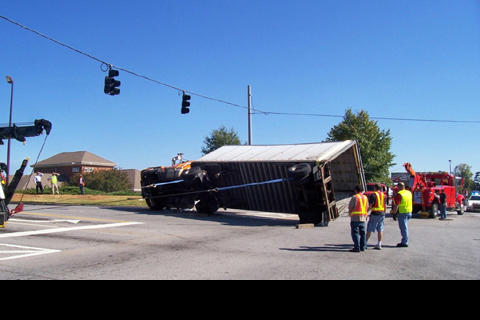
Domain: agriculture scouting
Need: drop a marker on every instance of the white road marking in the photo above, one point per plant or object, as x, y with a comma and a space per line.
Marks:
24, 252
58, 230
44, 221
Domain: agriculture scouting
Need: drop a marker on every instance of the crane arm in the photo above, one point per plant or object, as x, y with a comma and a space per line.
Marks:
20, 132
408, 167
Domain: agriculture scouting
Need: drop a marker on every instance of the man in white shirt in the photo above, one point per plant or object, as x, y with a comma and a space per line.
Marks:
38, 182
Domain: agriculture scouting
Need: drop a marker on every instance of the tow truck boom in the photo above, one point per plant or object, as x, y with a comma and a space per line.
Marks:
19, 133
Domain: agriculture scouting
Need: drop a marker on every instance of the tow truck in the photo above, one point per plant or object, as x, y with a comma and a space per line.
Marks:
19, 133
426, 185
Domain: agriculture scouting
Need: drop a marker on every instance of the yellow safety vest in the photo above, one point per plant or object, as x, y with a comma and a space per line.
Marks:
54, 180
380, 207
361, 209
406, 206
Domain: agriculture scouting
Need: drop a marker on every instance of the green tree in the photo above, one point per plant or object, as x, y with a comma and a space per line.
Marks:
465, 171
374, 143
219, 138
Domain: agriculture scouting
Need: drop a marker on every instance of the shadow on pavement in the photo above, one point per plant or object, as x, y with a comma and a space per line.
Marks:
230, 218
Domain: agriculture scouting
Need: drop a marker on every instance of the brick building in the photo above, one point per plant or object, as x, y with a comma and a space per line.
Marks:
70, 163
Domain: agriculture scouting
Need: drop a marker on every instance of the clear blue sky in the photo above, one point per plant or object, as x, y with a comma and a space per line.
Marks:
393, 58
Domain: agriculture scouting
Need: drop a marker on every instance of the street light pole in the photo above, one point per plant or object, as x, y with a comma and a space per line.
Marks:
249, 115
10, 81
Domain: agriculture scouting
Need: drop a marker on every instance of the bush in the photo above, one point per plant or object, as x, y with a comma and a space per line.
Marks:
106, 181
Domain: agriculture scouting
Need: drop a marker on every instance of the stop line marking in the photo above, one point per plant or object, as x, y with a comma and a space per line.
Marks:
59, 230
18, 252
23, 251
43, 221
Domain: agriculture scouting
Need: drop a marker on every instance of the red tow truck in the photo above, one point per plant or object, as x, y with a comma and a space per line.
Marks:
426, 185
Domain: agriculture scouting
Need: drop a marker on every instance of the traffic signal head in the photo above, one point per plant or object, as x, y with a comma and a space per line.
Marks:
111, 84
186, 103
113, 73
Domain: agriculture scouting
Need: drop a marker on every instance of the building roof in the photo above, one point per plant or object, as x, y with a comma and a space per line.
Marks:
78, 158
280, 153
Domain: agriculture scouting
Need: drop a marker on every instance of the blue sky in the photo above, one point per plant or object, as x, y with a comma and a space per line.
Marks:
402, 58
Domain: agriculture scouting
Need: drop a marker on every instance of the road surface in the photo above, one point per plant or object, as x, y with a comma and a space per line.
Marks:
74, 242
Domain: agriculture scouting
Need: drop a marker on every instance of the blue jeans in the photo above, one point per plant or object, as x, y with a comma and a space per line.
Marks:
359, 235
443, 211
403, 219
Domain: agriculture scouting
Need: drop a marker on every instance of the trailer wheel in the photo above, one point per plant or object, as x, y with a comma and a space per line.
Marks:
193, 177
207, 205
300, 172
155, 204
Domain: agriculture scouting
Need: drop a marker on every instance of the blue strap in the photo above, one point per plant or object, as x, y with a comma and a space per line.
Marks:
163, 184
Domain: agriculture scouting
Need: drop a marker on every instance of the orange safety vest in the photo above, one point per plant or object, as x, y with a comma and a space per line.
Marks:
361, 208
380, 204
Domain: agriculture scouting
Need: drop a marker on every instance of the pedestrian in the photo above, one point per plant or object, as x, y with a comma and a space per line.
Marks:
404, 199
38, 182
443, 205
358, 210
81, 184
435, 203
376, 221
54, 181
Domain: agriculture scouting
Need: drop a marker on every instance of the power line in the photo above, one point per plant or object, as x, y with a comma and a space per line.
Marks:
103, 62
255, 110
267, 113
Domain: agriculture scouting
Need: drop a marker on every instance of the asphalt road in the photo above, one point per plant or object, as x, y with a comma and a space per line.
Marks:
70, 242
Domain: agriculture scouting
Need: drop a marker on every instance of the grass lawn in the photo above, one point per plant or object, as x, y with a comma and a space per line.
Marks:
93, 200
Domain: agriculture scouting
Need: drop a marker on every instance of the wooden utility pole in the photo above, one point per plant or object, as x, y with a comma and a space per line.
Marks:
249, 116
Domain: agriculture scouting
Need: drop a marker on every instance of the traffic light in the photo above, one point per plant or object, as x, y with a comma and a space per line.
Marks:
111, 84
185, 103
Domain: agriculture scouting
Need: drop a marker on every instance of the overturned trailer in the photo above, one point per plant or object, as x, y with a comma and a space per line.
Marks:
303, 179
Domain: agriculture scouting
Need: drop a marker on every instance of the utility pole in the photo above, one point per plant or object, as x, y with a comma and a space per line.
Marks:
9, 81
249, 116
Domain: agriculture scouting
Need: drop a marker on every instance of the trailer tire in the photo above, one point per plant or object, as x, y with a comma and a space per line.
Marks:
155, 204
300, 172
194, 176
207, 205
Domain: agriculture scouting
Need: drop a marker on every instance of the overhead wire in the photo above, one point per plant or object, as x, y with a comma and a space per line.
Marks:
254, 110
118, 67
266, 113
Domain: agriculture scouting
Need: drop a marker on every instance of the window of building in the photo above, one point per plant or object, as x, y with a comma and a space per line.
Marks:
75, 169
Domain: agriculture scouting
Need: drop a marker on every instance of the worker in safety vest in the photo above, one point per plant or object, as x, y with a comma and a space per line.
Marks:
404, 199
358, 210
377, 216
54, 182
